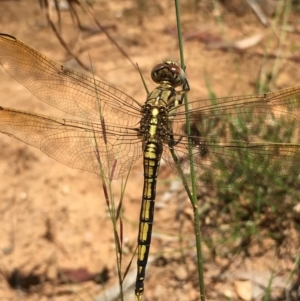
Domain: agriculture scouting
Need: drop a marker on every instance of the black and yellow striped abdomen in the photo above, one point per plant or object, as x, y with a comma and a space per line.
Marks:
152, 156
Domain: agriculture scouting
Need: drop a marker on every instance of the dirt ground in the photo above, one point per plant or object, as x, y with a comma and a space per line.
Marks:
54, 220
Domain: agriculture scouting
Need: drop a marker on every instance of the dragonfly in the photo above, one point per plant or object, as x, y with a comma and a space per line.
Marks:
111, 130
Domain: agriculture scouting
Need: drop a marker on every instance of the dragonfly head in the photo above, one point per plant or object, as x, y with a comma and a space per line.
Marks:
168, 71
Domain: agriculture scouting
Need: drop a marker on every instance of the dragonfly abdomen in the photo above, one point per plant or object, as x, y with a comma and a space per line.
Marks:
152, 157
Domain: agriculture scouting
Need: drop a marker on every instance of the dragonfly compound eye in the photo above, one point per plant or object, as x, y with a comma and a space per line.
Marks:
168, 71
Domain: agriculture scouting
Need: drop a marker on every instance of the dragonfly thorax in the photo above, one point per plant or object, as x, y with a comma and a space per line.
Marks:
154, 116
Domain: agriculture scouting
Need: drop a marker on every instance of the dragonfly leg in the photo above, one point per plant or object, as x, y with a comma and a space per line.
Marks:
185, 89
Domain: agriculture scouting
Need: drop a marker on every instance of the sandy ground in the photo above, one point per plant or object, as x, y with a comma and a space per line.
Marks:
54, 220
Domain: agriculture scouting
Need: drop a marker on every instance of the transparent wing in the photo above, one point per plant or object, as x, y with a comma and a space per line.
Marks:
67, 90
88, 146
237, 138
107, 137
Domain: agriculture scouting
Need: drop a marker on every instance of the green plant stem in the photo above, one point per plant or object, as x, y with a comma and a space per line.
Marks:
193, 199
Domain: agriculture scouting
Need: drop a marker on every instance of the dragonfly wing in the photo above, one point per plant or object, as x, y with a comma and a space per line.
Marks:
234, 139
67, 90
230, 164
99, 148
